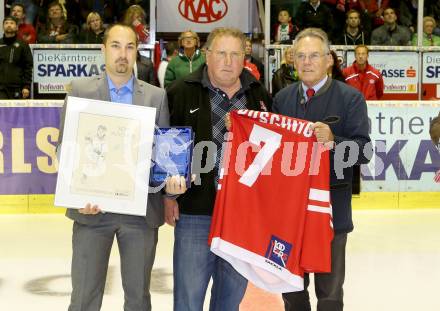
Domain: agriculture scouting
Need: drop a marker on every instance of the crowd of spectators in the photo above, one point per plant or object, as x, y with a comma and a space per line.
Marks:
76, 21
353, 22
347, 22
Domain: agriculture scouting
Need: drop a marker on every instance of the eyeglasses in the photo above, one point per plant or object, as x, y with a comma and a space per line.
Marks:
313, 58
235, 56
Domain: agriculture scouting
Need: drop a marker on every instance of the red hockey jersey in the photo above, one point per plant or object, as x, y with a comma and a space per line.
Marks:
272, 214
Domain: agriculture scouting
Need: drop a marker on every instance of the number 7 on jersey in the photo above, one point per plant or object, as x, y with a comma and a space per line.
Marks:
272, 142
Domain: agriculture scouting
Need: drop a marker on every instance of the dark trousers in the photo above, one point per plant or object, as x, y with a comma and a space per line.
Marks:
356, 181
91, 245
328, 286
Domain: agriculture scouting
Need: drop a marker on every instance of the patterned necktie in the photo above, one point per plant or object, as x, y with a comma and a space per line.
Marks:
310, 93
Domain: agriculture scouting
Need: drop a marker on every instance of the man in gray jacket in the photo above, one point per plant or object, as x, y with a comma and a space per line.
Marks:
93, 230
390, 33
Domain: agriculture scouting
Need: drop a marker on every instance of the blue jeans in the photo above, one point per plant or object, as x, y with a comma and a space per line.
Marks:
195, 264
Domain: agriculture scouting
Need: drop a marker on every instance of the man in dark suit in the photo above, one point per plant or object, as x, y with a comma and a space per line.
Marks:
93, 230
341, 122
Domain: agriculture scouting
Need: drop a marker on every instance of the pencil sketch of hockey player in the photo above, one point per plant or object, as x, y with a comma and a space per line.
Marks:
95, 154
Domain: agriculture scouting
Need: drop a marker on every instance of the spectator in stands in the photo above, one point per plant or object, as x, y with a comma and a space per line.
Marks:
432, 8
365, 18
335, 71
251, 68
122, 6
41, 17
76, 11
337, 9
353, 33
16, 63
188, 60
144, 69
313, 14
373, 9
43, 7
203, 50
286, 74
390, 33
170, 51
284, 31
277, 5
248, 57
364, 77
94, 33
407, 12
72, 12
26, 32
429, 39
434, 131
105, 9
135, 17
56, 29
30, 7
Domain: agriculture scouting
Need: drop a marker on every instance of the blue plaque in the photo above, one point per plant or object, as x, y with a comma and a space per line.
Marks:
172, 154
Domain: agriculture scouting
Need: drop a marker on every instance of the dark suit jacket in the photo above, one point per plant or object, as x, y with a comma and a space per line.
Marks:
344, 109
144, 95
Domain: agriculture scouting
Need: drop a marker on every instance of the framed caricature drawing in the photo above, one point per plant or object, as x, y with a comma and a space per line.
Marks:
105, 156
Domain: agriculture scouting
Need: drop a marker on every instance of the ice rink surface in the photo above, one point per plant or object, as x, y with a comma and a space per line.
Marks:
393, 264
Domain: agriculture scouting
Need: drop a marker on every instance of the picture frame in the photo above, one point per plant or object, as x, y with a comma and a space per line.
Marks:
105, 156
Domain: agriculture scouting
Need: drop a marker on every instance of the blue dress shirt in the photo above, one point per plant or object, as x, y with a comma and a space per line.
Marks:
124, 94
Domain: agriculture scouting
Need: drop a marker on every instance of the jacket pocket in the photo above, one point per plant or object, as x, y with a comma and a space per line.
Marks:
331, 120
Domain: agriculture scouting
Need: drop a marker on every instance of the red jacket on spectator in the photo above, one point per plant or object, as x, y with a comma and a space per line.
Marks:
370, 6
339, 4
142, 32
252, 69
27, 33
368, 81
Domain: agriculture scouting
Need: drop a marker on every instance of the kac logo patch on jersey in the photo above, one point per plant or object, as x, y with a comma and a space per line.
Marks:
278, 251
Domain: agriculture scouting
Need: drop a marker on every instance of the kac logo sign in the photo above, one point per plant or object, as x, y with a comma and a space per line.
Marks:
203, 11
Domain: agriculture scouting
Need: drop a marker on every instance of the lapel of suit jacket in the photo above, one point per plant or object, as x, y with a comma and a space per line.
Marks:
103, 89
138, 94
